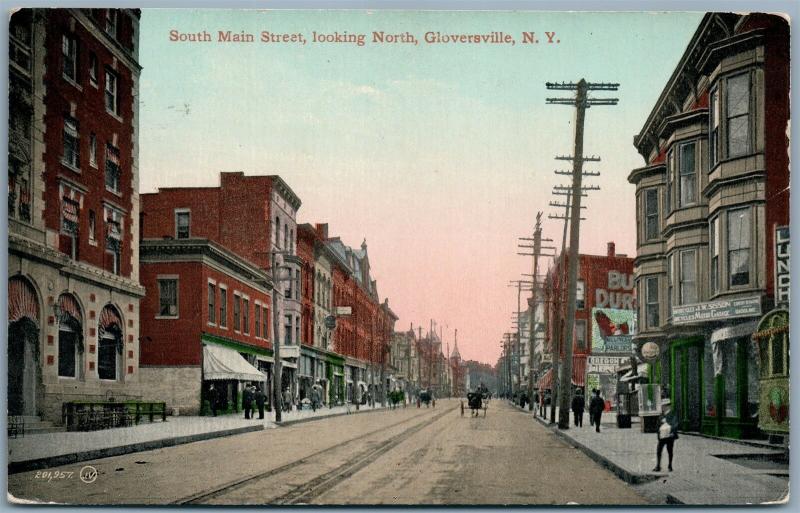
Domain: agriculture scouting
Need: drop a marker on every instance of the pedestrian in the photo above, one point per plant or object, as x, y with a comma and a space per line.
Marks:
261, 398
578, 405
247, 401
667, 434
314, 398
596, 407
287, 400
213, 399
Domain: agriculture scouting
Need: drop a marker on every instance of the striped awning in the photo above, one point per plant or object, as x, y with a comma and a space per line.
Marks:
69, 305
22, 301
70, 210
546, 381
108, 318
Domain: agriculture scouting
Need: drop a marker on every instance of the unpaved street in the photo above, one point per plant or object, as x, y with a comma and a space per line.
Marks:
405, 456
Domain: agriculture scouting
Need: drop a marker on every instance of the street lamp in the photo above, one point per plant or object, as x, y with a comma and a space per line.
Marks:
277, 289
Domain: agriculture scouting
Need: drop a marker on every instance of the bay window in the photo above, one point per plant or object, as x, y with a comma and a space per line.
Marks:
651, 302
738, 115
688, 176
714, 254
713, 136
739, 247
688, 278
651, 214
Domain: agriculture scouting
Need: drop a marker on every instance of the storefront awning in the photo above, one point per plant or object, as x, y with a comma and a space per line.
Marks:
267, 359
642, 371
579, 370
546, 381
736, 331
290, 365
223, 363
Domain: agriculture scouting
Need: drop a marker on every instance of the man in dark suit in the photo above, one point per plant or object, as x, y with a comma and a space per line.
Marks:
260, 400
247, 401
578, 405
596, 407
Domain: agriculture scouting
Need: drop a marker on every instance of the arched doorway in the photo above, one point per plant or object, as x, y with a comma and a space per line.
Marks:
109, 351
23, 347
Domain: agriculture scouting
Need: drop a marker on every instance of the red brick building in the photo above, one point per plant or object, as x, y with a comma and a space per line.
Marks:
605, 286
249, 218
206, 319
73, 208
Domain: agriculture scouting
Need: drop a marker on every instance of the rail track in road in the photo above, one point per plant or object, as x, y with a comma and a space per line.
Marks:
317, 485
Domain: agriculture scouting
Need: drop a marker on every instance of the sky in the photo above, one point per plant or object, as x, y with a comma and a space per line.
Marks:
439, 155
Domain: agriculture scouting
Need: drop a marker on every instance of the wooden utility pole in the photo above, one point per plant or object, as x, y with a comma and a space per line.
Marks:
581, 103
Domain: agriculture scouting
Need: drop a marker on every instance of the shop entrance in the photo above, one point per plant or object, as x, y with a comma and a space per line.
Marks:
23, 338
687, 382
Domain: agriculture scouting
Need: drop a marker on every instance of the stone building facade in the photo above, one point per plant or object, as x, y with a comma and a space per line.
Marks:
73, 288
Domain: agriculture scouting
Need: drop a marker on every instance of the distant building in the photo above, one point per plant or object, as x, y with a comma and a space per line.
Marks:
73, 208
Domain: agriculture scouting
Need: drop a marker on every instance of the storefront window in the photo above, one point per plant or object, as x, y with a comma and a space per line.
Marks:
729, 372
709, 399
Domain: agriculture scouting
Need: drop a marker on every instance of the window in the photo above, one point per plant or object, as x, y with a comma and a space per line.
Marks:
670, 282
739, 247
714, 253
257, 320
93, 69
730, 377
688, 176
92, 226
713, 135
297, 330
651, 304
738, 115
223, 307
287, 291
212, 307
112, 168
113, 242
651, 214
237, 312
245, 316
277, 231
111, 22
107, 358
168, 297
580, 335
72, 155
287, 330
580, 295
69, 50
68, 240
265, 323
67, 351
182, 220
93, 150
111, 92
297, 284
709, 382
688, 278
286, 237
670, 179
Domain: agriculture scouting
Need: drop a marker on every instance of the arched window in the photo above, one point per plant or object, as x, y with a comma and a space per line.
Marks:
70, 337
109, 353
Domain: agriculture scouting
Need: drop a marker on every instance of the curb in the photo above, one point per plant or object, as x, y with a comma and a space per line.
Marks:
620, 472
75, 457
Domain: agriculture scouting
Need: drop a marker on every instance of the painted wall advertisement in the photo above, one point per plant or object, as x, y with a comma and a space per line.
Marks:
613, 330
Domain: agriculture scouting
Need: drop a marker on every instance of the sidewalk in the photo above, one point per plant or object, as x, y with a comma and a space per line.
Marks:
45, 450
708, 471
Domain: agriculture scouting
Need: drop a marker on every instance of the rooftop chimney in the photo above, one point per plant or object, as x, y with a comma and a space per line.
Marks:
322, 230
611, 249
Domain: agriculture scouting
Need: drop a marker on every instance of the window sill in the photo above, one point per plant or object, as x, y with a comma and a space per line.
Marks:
115, 193
167, 317
70, 166
92, 242
72, 82
114, 115
212, 324
223, 327
93, 83
93, 164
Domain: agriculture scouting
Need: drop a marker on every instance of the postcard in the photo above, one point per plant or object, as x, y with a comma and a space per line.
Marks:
398, 257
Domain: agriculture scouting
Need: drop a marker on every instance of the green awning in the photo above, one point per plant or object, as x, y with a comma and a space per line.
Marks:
233, 344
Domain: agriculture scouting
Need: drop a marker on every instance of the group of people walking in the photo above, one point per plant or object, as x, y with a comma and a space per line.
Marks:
596, 407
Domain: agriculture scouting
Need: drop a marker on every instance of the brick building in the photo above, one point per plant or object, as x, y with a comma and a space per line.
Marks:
605, 318
252, 218
73, 203
712, 196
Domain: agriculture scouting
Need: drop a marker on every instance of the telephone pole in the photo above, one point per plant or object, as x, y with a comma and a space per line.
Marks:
581, 102
537, 252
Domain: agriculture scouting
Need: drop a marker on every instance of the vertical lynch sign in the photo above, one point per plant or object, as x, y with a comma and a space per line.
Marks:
782, 269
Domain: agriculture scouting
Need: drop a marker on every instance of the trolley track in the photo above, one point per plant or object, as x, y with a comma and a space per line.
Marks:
322, 483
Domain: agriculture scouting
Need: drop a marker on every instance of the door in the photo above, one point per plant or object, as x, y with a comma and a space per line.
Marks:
21, 368
687, 382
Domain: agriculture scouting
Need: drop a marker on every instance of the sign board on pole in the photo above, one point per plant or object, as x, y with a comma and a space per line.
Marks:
330, 322
344, 310
717, 310
782, 279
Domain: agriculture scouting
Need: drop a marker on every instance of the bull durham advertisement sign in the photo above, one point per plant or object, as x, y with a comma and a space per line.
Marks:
612, 330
